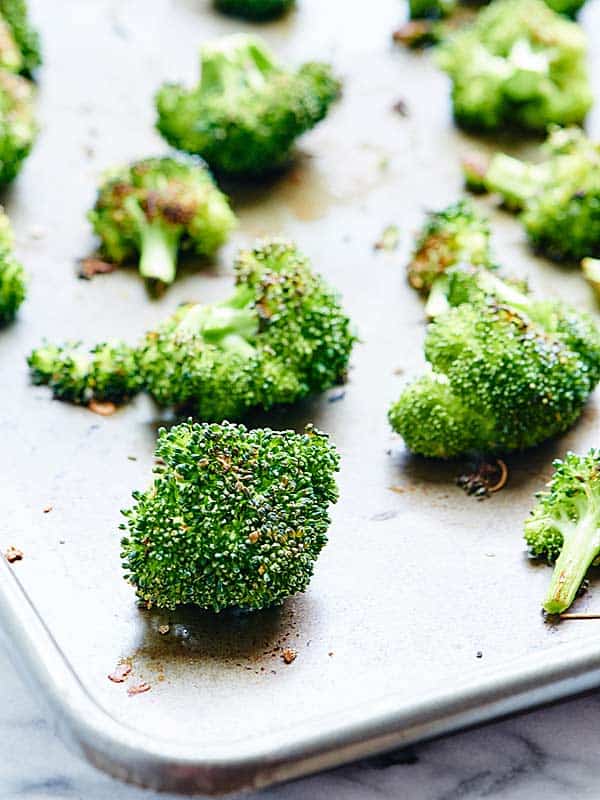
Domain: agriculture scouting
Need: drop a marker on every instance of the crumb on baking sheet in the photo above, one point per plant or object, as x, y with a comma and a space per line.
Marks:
120, 672
13, 554
139, 688
288, 655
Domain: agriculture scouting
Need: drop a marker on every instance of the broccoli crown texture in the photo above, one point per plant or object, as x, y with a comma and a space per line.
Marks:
155, 208
18, 128
13, 284
280, 337
564, 526
234, 518
559, 196
106, 373
507, 373
518, 64
255, 9
19, 41
247, 110
458, 234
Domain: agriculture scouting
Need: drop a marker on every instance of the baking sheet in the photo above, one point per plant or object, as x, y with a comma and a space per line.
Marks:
424, 613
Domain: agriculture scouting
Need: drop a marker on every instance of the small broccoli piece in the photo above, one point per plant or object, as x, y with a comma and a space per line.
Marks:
564, 526
13, 283
234, 518
18, 128
508, 371
559, 197
258, 10
457, 234
568, 8
591, 272
280, 337
107, 373
247, 111
518, 64
19, 42
157, 207
430, 9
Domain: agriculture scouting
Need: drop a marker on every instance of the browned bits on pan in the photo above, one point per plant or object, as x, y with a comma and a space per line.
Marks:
47, 509
485, 479
13, 554
163, 629
120, 672
139, 688
104, 409
95, 266
288, 655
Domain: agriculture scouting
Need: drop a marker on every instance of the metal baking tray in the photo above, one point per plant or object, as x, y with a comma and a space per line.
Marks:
424, 613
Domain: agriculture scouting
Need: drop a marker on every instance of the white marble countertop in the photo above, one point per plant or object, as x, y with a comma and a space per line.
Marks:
551, 754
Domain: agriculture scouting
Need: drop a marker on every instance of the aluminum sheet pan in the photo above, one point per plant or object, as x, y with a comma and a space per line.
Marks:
424, 613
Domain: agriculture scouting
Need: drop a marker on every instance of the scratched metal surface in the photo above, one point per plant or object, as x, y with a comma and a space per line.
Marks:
418, 579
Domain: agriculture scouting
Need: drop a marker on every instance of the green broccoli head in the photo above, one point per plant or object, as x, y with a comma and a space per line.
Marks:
107, 373
13, 282
258, 10
18, 128
280, 337
155, 208
508, 372
234, 518
559, 197
247, 111
564, 526
458, 234
519, 64
19, 41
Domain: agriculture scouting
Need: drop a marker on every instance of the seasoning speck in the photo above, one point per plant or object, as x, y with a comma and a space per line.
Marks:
288, 655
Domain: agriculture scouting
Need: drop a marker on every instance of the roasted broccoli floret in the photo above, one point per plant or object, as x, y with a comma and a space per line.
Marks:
13, 283
18, 128
519, 64
280, 337
458, 234
564, 526
247, 111
507, 371
157, 207
255, 9
559, 197
19, 42
234, 518
106, 373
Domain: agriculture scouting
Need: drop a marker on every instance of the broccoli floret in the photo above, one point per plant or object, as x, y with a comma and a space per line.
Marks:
157, 207
281, 337
234, 518
559, 197
106, 373
569, 8
247, 111
458, 234
564, 526
508, 371
519, 64
19, 41
258, 10
18, 128
13, 283
430, 9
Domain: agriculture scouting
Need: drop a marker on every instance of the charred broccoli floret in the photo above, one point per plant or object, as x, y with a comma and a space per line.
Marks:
234, 518
457, 234
247, 111
518, 64
255, 9
559, 197
155, 208
564, 526
106, 373
13, 283
280, 337
507, 371
18, 128
19, 41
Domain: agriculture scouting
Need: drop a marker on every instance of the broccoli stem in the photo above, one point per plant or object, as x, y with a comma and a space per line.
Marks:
229, 70
579, 550
437, 302
158, 251
515, 180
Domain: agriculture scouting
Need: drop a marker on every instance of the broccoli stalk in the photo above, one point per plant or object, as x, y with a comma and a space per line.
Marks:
565, 526
158, 244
